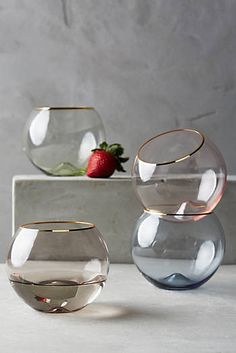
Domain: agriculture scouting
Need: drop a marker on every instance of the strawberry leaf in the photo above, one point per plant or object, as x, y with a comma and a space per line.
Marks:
123, 159
103, 146
119, 167
116, 150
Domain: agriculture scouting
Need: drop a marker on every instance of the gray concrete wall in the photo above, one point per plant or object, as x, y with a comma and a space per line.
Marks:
146, 65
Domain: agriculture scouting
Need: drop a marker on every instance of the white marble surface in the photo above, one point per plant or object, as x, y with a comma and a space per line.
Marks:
129, 316
146, 65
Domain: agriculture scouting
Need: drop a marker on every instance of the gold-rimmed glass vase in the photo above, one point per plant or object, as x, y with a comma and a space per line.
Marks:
58, 266
59, 140
178, 173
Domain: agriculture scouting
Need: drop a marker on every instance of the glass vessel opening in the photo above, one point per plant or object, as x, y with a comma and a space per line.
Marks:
62, 226
171, 146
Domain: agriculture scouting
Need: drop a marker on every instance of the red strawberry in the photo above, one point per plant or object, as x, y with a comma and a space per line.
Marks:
105, 160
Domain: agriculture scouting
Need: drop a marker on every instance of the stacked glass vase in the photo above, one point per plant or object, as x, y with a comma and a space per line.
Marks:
179, 177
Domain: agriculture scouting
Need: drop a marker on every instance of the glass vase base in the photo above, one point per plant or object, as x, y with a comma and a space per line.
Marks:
63, 298
176, 282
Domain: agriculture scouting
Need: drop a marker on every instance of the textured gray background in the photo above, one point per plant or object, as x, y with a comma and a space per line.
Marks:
146, 65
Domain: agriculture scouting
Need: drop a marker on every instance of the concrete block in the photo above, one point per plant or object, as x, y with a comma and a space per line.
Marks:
109, 203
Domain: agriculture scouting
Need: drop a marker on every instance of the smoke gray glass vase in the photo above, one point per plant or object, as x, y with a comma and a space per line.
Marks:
177, 256
58, 267
59, 140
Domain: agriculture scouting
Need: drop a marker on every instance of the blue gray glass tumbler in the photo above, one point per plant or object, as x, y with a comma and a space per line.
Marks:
179, 177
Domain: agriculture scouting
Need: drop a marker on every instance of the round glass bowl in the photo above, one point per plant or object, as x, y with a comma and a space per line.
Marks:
177, 257
59, 140
58, 267
179, 173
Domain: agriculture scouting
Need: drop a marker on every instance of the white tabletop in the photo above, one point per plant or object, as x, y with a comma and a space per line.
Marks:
129, 316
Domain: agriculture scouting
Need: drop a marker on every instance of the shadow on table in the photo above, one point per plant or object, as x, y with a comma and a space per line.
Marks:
117, 311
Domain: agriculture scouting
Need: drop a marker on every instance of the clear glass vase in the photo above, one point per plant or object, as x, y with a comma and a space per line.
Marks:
177, 256
58, 267
59, 140
178, 173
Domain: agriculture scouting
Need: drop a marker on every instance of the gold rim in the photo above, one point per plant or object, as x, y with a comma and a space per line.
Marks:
87, 225
65, 108
161, 214
178, 159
